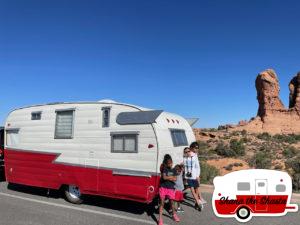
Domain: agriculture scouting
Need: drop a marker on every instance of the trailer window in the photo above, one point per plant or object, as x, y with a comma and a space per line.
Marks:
243, 186
124, 143
280, 188
36, 115
64, 124
178, 137
12, 137
105, 116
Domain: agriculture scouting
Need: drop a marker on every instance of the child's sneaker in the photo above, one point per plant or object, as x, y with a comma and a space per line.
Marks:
203, 201
180, 210
201, 207
176, 218
160, 222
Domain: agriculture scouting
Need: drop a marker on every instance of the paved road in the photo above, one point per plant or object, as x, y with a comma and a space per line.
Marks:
21, 205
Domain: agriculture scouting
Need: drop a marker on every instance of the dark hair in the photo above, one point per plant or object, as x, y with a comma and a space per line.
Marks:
194, 144
185, 149
167, 157
178, 167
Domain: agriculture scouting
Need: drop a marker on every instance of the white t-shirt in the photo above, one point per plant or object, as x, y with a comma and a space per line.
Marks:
192, 165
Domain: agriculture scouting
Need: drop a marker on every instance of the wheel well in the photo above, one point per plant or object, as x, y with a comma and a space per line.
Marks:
63, 187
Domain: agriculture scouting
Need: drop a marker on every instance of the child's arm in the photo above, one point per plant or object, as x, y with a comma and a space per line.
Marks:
170, 178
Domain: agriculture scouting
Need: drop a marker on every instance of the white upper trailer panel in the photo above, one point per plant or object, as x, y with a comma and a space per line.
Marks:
91, 139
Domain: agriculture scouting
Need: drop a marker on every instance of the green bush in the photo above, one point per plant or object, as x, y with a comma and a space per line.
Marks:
228, 167
264, 136
208, 173
238, 147
278, 167
290, 152
261, 160
287, 138
293, 165
224, 150
237, 164
245, 139
244, 132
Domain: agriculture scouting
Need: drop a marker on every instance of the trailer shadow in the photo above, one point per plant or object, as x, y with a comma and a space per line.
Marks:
102, 202
34, 191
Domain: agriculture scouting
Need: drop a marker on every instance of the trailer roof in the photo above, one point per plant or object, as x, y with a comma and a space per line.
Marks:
105, 101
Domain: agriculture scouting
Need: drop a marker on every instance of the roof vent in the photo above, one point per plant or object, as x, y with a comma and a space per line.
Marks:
107, 101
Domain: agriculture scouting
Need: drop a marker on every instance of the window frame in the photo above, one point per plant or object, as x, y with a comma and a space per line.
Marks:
134, 134
173, 137
107, 108
56, 122
6, 136
36, 113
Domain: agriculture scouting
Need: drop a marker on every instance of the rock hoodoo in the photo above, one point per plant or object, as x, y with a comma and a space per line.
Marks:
272, 116
295, 92
267, 88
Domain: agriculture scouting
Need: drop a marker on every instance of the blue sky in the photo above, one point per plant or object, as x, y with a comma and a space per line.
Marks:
194, 58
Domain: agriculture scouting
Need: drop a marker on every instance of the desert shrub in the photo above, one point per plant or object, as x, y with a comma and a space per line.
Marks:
237, 164
293, 165
209, 129
208, 173
228, 167
235, 133
244, 132
265, 148
224, 150
278, 167
203, 144
261, 160
290, 152
245, 139
287, 138
238, 147
264, 136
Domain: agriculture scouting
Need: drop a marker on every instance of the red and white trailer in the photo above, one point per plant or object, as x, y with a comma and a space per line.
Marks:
254, 192
98, 148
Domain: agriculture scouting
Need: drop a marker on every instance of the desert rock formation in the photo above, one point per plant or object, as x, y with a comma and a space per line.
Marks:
295, 92
272, 116
267, 87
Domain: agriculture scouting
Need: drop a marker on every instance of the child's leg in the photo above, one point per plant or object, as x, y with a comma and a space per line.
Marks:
178, 205
161, 207
175, 217
198, 192
195, 195
173, 206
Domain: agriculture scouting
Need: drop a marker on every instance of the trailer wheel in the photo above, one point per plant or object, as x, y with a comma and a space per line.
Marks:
73, 194
243, 213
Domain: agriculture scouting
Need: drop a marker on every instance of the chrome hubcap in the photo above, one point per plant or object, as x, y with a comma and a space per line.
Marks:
74, 191
243, 212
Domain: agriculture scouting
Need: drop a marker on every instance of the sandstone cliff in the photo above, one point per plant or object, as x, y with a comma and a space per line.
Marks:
272, 116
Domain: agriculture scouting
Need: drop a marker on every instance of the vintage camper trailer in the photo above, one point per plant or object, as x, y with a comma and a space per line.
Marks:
255, 192
99, 148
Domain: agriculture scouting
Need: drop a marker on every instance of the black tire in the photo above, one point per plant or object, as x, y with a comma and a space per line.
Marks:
73, 194
243, 213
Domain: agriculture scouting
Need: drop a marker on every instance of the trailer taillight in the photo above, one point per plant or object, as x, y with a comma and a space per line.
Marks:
150, 146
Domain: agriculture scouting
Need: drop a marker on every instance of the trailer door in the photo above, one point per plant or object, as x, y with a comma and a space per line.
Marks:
261, 190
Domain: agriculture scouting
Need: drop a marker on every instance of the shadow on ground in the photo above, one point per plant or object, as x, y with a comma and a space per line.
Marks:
108, 203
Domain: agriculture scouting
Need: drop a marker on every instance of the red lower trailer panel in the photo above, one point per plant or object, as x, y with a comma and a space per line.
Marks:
40, 170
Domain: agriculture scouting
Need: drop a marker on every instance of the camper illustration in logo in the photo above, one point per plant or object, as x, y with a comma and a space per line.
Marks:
254, 192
